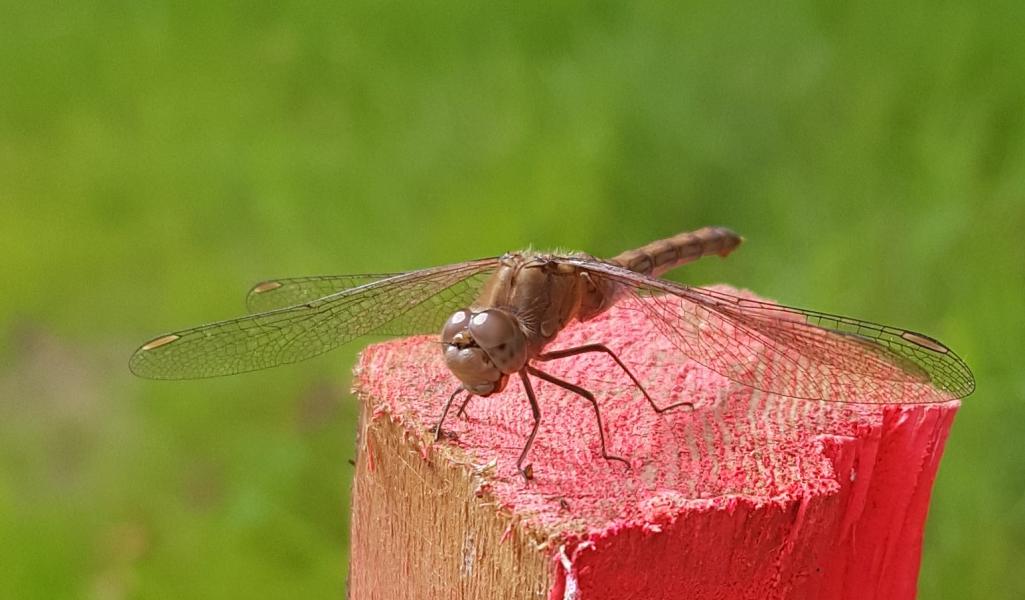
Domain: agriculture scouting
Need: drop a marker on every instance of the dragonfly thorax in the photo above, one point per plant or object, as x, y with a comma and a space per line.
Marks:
483, 348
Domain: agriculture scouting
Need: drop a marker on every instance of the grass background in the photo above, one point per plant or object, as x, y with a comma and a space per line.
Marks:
157, 158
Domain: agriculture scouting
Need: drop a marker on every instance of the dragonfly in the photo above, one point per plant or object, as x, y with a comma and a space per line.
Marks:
498, 317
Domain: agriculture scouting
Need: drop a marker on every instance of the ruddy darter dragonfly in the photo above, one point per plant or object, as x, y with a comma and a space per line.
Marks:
498, 316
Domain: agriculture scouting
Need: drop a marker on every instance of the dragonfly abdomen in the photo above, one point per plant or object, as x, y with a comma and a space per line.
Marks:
664, 255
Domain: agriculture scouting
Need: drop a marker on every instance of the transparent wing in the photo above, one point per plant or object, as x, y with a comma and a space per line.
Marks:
405, 304
279, 293
792, 351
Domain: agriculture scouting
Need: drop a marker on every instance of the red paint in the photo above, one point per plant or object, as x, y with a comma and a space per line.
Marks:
748, 496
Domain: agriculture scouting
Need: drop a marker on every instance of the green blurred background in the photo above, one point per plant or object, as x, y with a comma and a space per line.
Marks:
156, 159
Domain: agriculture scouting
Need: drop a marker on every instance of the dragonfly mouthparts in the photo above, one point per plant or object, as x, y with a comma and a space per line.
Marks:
463, 340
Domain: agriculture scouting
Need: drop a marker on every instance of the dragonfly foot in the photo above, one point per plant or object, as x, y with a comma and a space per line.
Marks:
685, 405
610, 457
441, 433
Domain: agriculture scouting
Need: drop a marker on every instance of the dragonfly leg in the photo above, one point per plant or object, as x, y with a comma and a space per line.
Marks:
556, 354
576, 389
448, 405
527, 472
462, 407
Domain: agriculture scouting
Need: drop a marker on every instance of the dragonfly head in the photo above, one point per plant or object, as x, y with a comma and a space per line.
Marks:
483, 348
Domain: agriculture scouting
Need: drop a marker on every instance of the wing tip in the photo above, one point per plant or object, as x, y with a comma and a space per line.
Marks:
140, 358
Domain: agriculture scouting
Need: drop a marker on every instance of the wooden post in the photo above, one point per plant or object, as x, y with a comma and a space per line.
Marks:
748, 496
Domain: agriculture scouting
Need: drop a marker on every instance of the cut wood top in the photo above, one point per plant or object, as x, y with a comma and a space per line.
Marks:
738, 443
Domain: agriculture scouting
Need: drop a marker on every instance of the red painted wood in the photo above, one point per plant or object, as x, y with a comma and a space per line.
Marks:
747, 496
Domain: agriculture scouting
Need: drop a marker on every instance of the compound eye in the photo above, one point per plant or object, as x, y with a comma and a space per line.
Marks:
492, 328
456, 323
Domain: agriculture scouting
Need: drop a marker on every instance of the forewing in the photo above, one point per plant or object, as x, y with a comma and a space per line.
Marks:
280, 293
791, 351
406, 304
